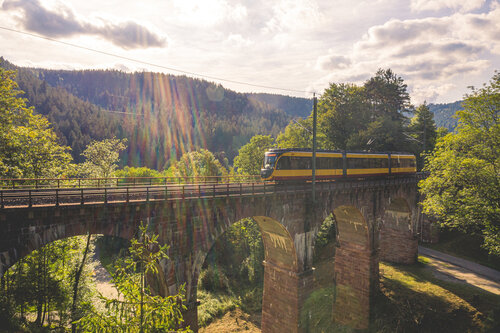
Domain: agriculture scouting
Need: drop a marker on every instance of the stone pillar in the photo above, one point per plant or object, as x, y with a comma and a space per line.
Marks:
356, 279
398, 246
398, 243
284, 294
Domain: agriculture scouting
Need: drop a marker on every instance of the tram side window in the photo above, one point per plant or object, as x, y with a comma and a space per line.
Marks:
356, 163
300, 163
405, 163
283, 163
367, 163
329, 163
396, 162
380, 162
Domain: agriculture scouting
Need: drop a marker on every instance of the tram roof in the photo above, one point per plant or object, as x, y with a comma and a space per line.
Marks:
284, 150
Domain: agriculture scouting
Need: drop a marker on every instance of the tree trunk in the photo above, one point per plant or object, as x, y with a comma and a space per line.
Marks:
75, 285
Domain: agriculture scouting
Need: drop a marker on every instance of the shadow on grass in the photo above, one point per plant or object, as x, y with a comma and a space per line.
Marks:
412, 300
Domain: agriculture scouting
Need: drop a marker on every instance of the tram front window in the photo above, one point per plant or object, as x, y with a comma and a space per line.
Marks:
269, 161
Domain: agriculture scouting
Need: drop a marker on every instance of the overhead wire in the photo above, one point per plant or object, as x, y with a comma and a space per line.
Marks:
156, 65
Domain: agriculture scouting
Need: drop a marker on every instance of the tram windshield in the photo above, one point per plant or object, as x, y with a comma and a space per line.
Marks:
269, 161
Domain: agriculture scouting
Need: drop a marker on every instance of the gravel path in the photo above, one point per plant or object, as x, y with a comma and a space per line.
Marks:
455, 269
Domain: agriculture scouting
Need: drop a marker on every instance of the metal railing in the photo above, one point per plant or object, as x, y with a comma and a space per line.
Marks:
38, 183
56, 196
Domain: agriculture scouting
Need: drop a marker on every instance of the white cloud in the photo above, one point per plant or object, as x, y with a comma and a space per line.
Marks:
462, 6
293, 15
332, 61
59, 20
207, 13
431, 92
238, 40
424, 51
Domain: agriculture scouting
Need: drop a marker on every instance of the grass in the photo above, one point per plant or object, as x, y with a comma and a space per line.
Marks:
214, 305
411, 299
465, 246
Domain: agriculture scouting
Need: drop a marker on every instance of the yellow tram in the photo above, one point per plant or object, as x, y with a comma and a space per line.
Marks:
296, 164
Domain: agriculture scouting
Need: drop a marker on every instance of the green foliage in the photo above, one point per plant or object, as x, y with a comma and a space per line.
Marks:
233, 272
316, 314
42, 284
214, 305
298, 134
327, 233
135, 172
463, 189
200, 163
423, 130
111, 249
102, 157
29, 148
161, 115
251, 155
136, 309
386, 92
369, 117
343, 111
213, 279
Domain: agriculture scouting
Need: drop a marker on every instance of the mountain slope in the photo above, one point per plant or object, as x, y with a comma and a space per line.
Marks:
161, 115
443, 114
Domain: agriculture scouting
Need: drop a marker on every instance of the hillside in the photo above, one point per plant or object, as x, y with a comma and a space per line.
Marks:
443, 114
293, 106
75, 121
161, 115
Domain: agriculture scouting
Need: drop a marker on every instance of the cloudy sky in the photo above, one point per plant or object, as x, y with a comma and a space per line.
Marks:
439, 47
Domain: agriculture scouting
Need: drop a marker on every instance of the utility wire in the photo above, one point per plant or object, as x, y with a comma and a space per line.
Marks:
152, 64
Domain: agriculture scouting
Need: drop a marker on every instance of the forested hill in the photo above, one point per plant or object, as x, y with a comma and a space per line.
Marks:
443, 114
293, 106
160, 115
75, 121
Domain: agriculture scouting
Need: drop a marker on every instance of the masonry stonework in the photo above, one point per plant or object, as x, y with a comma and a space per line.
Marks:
289, 222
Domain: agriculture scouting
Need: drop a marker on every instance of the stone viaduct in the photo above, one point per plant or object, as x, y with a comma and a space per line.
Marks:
375, 220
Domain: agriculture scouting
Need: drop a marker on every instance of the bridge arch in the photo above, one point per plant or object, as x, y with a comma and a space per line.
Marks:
283, 288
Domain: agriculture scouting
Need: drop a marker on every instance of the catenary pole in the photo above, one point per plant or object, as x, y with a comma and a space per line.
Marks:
314, 149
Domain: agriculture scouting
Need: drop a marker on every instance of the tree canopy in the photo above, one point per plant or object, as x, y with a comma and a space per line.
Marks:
29, 147
463, 188
251, 155
200, 163
102, 157
424, 133
351, 117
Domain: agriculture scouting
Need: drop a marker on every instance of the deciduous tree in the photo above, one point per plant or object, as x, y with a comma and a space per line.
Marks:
29, 147
251, 155
102, 157
463, 189
200, 163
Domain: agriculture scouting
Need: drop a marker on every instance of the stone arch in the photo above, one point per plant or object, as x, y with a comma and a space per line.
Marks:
37, 237
281, 278
356, 269
397, 241
278, 244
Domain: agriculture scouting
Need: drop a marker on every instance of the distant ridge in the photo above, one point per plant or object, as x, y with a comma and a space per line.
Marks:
444, 114
161, 115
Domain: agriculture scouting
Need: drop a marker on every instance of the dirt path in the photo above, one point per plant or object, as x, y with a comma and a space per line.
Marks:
449, 268
102, 278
